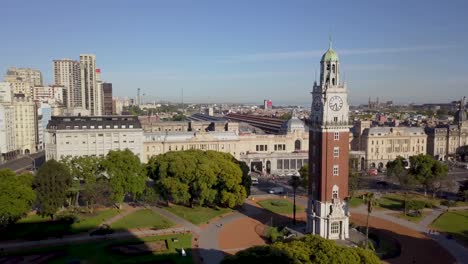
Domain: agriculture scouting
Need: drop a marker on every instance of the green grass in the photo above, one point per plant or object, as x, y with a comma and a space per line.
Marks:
454, 223
198, 214
36, 227
93, 221
145, 218
396, 201
102, 252
355, 202
414, 219
279, 206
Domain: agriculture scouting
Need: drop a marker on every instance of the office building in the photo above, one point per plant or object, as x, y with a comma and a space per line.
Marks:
92, 136
107, 92
50, 94
25, 124
67, 74
28, 75
91, 92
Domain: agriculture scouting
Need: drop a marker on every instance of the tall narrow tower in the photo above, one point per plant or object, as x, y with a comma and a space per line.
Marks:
327, 210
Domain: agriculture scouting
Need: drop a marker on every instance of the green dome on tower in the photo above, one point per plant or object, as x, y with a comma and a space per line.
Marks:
330, 55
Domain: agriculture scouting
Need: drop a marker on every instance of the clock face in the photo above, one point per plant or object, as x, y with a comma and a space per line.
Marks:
335, 103
317, 103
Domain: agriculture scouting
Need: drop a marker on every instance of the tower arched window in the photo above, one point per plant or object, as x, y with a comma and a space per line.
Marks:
297, 145
333, 68
333, 81
328, 66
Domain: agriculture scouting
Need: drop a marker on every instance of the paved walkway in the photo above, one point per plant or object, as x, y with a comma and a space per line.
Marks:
458, 251
178, 220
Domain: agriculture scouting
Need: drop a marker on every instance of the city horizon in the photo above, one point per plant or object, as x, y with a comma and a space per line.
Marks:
248, 61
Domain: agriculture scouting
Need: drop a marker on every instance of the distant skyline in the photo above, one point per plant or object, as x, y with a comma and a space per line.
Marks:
246, 51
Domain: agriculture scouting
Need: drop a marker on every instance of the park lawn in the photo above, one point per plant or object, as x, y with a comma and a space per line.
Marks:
454, 223
198, 214
355, 202
102, 252
145, 218
414, 219
279, 206
89, 222
396, 201
34, 226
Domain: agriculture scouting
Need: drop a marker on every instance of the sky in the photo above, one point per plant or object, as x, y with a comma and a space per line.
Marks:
247, 51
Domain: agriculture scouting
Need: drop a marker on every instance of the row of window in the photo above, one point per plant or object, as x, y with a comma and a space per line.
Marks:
99, 127
290, 164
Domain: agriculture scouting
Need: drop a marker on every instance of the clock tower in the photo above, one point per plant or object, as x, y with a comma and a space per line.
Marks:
327, 210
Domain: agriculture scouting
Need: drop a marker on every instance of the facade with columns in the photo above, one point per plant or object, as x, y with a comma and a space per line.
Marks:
327, 210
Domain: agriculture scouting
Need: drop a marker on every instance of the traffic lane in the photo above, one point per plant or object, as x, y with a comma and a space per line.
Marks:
24, 163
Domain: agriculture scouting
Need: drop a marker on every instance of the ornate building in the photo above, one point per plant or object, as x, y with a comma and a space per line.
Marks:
327, 210
449, 141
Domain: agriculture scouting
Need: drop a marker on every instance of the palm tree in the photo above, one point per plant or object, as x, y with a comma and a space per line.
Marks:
294, 182
370, 201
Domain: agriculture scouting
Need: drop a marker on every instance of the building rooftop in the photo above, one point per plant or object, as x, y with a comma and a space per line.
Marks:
93, 122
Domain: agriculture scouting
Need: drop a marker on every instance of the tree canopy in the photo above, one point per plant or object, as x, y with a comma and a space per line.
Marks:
16, 196
428, 171
396, 169
207, 177
307, 250
126, 174
52, 183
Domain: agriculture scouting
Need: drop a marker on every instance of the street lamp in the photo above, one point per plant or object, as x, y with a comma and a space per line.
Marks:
33, 162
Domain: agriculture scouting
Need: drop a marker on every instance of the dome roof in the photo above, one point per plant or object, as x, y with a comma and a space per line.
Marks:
292, 125
330, 55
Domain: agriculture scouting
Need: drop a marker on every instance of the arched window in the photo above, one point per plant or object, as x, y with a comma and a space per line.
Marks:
333, 68
333, 81
328, 66
297, 145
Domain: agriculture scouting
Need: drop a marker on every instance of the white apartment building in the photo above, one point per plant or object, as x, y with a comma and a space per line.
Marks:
50, 94
90, 91
92, 136
384, 144
25, 124
31, 76
7, 131
6, 92
67, 74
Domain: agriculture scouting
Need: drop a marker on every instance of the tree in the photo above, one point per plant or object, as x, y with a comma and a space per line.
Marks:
370, 202
428, 171
206, 177
294, 182
304, 172
85, 171
396, 170
52, 182
306, 250
353, 183
98, 193
16, 196
126, 174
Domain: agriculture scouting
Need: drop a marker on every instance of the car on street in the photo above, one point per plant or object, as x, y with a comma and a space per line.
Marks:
276, 190
373, 172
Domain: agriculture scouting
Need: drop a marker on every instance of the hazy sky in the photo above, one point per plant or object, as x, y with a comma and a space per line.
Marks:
245, 50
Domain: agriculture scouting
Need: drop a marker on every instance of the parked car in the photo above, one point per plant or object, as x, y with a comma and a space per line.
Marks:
276, 190
372, 172
254, 181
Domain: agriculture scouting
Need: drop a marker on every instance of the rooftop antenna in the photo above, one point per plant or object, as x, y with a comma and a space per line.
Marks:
183, 109
315, 76
330, 43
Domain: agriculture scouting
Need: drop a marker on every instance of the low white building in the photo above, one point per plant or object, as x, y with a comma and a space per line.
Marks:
92, 136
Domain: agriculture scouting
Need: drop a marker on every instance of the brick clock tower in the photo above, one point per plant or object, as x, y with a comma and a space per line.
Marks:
327, 210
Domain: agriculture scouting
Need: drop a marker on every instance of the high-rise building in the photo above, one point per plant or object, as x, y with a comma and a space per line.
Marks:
107, 91
25, 124
6, 92
327, 210
267, 104
7, 132
90, 91
32, 76
67, 74
99, 98
52, 94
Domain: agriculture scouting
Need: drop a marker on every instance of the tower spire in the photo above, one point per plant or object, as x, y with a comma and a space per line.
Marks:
330, 42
